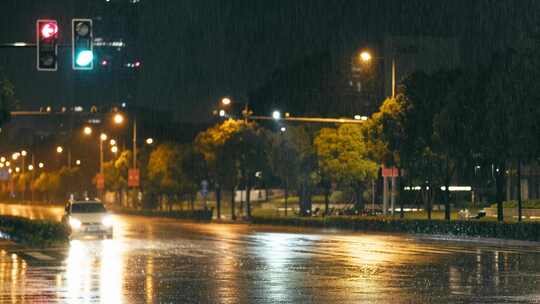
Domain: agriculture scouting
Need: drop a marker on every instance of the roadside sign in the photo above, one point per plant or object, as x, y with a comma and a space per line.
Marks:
133, 178
100, 181
389, 172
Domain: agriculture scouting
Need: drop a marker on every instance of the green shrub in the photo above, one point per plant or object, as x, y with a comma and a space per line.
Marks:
491, 229
529, 204
33, 231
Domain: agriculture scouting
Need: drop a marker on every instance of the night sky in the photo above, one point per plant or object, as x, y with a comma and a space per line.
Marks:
195, 51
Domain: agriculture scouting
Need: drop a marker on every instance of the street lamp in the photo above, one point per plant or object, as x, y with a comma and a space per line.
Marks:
23, 153
30, 167
226, 101
103, 137
112, 142
366, 57
41, 165
15, 156
222, 113
2, 159
87, 130
78, 162
114, 149
17, 169
59, 149
149, 141
118, 118
8, 163
276, 115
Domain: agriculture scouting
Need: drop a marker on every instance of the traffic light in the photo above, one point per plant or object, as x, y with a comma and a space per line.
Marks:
47, 45
82, 51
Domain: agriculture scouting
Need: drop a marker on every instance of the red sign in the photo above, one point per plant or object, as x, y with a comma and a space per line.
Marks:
389, 172
133, 178
100, 181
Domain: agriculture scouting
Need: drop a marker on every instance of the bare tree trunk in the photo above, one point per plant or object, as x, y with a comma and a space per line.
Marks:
520, 203
218, 201
499, 196
326, 199
233, 213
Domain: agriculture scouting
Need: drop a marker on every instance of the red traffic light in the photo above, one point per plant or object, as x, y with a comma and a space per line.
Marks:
49, 30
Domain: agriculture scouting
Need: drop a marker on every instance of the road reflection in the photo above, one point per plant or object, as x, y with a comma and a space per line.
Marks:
166, 261
94, 270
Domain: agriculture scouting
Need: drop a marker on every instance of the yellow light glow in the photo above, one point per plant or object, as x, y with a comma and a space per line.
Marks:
15, 156
59, 149
114, 149
365, 56
2, 159
118, 118
8, 164
113, 142
30, 167
23, 152
226, 101
1, 165
103, 136
149, 141
78, 162
41, 165
87, 130
17, 169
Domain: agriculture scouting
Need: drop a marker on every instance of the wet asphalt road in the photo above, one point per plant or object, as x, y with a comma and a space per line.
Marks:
166, 261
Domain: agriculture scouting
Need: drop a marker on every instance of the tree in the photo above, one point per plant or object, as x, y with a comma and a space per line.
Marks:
220, 162
165, 171
343, 156
284, 161
7, 98
511, 115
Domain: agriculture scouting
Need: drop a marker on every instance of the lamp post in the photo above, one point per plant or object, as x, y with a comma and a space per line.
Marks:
366, 57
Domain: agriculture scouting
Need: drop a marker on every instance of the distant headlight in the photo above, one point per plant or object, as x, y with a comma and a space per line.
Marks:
74, 223
107, 221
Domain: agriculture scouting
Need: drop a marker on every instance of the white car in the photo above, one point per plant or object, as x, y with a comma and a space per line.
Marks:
88, 218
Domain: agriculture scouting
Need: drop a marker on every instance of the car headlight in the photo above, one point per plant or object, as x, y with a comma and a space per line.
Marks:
74, 223
107, 221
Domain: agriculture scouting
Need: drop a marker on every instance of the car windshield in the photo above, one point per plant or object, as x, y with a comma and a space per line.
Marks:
88, 208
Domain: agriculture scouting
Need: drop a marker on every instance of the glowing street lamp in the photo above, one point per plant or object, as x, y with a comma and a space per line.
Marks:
276, 115
1, 165
15, 156
87, 130
17, 169
149, 141
8, 163
103, 137
226, 101
113, 142
118, 118
365, 56
23, 152
30, 167
114, 149
10, 171
78, 162
41, 165
2, 159
59, 149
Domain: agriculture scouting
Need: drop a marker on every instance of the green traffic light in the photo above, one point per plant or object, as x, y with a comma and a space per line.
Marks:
85, 58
